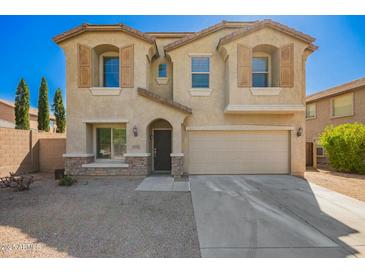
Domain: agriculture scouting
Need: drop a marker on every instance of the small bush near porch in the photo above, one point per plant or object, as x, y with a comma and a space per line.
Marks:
345, 146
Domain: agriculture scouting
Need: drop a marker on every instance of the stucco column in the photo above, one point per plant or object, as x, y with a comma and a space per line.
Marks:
176, 138
177, 157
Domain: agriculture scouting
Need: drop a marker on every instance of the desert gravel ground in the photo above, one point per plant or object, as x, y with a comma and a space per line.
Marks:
98, 217
352, 185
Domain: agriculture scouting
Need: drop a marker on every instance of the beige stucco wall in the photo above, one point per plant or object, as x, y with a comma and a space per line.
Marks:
164, 90
84, 108
210, 110
134, 110
323, 118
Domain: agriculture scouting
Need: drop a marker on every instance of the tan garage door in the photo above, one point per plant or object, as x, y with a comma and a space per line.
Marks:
238, 152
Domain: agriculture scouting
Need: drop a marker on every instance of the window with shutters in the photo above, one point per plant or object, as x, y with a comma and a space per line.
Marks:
342, 105
265, 66
105, 66
260, 71
110, 71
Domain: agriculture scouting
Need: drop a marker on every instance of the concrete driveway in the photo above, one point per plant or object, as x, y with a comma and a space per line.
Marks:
275, 216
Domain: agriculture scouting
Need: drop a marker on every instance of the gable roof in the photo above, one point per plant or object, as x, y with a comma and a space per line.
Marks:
341, 89
169, 34
115, 27
271, 24
200, 34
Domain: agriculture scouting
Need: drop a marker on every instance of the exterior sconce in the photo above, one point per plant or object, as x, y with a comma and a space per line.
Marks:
300, 131
135, 131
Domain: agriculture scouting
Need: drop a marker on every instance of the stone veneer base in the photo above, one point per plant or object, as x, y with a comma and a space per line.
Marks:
137, 166
177, 166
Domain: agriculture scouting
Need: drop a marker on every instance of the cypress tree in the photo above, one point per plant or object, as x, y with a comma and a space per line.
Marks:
59, 111
43, 106
22, 106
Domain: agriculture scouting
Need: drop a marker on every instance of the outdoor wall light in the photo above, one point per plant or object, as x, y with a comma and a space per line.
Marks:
300, 131
135, 131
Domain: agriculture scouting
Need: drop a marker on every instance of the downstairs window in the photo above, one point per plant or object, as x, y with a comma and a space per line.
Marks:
110, 143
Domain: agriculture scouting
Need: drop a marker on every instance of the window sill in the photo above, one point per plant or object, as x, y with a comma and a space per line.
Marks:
310, 118
342, 116
102, 91
162, 80
200, 91
269, 91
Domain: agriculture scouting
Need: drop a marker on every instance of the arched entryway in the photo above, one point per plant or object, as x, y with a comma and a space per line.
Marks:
160, 145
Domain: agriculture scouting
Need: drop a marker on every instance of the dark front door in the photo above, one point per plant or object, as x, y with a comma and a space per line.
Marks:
162, 150
309, 154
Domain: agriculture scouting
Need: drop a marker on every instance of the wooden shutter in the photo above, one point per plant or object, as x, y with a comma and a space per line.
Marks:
84, 71
127, 66
287, 66
244, 56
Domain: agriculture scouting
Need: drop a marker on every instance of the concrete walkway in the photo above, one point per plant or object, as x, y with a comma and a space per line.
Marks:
275, 216
163, 183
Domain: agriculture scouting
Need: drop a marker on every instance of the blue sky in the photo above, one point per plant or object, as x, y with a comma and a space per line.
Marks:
29, 52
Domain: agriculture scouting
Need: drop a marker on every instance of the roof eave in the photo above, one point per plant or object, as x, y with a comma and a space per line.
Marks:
87, 27
271, 24
338, 90
203, 33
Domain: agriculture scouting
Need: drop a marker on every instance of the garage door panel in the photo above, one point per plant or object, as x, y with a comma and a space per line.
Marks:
244, 146
246, 152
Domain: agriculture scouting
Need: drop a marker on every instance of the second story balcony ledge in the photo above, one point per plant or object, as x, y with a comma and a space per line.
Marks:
264, 109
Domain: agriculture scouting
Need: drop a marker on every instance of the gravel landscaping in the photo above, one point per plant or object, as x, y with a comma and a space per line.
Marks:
96, 217
352, 185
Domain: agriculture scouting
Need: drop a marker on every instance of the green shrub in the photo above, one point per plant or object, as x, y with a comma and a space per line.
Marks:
66, 181
345, 146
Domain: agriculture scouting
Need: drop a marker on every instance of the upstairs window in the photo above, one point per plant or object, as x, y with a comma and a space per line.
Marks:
200, 70
111, 71
162, 70
342, 105
260, 71
310, 111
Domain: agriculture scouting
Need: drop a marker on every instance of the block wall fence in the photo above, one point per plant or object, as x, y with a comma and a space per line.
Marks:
25, 151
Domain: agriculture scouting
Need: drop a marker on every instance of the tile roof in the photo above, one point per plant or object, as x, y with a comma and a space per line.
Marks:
90, 27
267, 23
337, 90
157, 98
168, 34
197, 35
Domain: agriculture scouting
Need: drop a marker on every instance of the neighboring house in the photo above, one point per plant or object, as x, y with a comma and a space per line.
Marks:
229, 99
334, 106
7, 116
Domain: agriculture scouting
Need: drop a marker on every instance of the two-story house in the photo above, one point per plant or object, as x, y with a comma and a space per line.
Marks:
229, 99
338, 105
